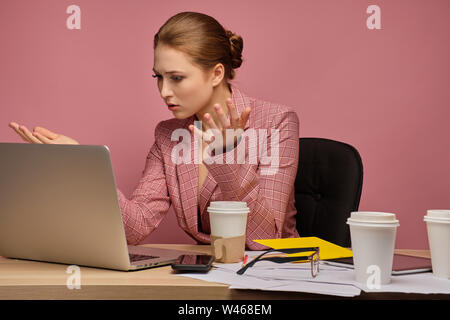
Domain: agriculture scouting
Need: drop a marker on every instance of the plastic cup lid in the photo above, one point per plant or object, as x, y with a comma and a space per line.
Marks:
438, 214
228, 211
372, 217
436, 220
228, 204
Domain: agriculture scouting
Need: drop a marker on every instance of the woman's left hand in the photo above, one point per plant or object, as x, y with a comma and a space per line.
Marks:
235, 123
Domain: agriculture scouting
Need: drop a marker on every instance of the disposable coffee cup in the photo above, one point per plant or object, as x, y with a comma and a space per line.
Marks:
373, 242
228, 220
438, 229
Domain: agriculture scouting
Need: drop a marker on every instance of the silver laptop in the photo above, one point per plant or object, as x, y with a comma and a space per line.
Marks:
58, 203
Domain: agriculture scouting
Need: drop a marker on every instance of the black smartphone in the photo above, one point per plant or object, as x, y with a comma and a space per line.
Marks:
193, 262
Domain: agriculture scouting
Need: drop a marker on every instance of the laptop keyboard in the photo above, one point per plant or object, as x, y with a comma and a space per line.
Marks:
139, 257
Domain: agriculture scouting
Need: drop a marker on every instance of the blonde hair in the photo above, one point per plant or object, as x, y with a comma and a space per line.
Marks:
204, 40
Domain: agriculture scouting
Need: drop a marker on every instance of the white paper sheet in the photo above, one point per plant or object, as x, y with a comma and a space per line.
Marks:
309, 287
236, 281
425, 283
331, 280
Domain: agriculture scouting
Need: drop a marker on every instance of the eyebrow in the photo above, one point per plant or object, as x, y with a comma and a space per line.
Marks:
173, 71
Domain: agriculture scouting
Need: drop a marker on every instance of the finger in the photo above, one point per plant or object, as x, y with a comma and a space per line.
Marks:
210, 121
205, 136
222, 117
195, 130
234, 115
16, 128
42, 138
245, 115
46, 133
13, 125
29, 136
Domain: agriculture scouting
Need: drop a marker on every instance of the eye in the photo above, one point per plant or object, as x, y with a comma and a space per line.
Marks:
174, 78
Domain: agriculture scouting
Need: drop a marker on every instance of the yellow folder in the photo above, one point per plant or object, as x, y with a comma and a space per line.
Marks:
328, 250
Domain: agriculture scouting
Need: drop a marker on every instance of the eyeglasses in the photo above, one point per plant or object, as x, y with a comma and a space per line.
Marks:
314, 258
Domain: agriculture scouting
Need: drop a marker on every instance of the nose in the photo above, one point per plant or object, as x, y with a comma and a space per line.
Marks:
165, 90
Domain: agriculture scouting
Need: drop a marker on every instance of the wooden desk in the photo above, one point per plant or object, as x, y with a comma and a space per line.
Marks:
21, 279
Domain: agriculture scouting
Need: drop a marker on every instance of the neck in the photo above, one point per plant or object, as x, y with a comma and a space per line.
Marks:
220, 94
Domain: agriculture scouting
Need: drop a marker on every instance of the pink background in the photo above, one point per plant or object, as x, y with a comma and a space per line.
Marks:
385, 91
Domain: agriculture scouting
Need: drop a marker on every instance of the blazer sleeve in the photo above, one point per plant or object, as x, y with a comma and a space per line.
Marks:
266, 188
149, 202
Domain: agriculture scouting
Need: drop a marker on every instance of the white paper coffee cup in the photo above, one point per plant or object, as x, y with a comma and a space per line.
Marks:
228, 218
373, 242
438, 229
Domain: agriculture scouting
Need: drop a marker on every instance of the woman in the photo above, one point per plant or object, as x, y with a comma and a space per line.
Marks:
194, 60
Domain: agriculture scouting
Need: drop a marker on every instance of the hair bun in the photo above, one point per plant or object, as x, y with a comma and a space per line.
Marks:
236, 46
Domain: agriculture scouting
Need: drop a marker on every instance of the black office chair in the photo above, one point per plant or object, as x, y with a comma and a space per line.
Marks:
327, 189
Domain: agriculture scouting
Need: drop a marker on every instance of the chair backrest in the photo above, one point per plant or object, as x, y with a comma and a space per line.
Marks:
327, 189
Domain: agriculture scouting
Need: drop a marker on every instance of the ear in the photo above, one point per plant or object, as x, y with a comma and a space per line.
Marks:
218, 73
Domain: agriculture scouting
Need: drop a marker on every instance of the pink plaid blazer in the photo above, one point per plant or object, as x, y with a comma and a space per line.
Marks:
270, 197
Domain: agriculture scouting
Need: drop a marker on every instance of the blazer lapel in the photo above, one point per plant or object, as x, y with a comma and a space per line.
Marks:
188, 185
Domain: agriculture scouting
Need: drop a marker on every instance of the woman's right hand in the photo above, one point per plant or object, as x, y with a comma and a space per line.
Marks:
41, 135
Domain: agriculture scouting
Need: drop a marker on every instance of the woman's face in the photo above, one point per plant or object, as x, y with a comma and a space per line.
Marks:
181, 83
